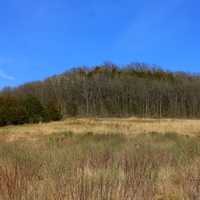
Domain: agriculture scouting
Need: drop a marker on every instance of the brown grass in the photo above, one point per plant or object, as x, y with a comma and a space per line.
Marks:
68, 166
101, 159
127, 126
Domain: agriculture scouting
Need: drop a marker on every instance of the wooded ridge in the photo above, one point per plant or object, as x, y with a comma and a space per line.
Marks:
106, 90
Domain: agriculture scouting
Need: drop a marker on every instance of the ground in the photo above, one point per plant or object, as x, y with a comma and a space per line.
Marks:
101, 159
127, 126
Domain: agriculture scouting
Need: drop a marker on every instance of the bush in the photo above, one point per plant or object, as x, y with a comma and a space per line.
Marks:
27, 109
51, 113
12, 111
34, 109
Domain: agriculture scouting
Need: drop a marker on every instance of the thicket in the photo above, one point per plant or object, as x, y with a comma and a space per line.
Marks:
27, 109
107, 90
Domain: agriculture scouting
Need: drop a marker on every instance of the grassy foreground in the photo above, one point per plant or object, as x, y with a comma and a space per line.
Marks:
101, 167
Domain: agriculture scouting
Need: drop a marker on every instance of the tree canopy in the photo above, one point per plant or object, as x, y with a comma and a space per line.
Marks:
107, 90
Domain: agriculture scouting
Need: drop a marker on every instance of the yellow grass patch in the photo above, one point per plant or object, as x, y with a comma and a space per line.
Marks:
127, 126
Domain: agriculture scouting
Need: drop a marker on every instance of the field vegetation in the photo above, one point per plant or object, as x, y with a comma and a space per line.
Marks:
102, 161
126, 126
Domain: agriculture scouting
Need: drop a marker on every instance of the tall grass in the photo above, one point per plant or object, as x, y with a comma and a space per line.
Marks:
101, 167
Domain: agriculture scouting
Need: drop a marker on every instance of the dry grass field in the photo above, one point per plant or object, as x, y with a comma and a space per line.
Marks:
126, 126
101, 159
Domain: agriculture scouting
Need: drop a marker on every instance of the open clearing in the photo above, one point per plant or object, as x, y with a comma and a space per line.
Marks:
126, 126
101, 159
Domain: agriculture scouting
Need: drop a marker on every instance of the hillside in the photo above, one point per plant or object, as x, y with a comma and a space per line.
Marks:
107, 90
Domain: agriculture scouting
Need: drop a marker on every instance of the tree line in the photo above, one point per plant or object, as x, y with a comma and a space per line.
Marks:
107, 90
27, 109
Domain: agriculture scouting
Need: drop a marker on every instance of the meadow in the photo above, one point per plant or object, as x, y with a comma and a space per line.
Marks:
101, 159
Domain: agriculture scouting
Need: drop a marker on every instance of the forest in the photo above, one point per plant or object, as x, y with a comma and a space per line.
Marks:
106, 90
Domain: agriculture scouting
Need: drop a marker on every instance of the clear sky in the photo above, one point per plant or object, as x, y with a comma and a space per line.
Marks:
39, 38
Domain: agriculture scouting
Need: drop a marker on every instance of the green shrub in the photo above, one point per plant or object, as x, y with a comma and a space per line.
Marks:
27, 109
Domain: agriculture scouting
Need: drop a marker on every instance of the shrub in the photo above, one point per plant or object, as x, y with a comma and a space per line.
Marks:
51, 113
27, 109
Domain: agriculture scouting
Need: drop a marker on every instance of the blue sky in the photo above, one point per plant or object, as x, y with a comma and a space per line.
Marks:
39, 38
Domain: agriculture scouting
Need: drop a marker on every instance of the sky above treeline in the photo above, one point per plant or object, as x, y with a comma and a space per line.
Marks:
40, 38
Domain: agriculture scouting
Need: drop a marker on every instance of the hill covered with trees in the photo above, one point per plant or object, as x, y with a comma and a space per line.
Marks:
106, 91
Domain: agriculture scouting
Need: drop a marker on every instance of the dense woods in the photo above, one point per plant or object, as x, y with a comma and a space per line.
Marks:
25, 109
105, 90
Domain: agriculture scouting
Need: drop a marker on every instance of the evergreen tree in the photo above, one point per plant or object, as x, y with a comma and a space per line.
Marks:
33, 109
51, 113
